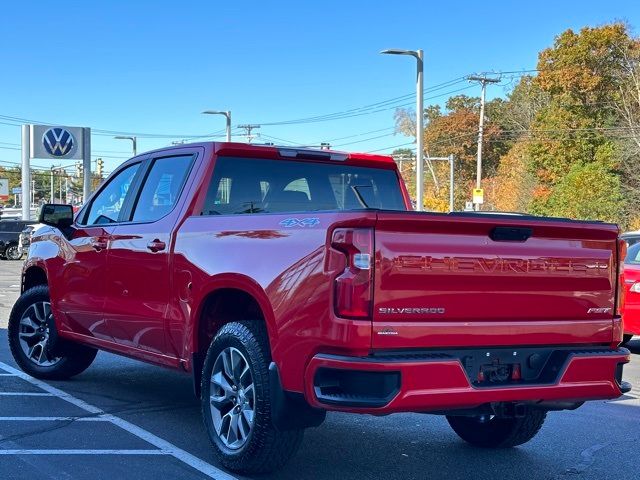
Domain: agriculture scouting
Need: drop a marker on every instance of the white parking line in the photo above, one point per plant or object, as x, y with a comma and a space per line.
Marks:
53, 419
82, 452
25, 394
164, 446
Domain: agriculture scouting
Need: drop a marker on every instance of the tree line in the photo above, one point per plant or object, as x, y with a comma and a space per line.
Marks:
565, 140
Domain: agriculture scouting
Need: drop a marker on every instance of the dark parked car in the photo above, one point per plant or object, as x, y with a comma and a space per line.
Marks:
9, 237
631, 237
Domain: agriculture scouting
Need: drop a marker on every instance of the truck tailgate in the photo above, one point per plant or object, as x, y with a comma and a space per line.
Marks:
469, 280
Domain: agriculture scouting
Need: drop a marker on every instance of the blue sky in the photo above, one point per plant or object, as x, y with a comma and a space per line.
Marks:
152, 66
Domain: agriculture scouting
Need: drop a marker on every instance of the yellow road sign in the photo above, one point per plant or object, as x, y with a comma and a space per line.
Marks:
478, 195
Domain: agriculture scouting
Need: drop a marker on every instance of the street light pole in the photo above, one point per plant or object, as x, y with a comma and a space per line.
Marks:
227, 114
134, 141
419, 56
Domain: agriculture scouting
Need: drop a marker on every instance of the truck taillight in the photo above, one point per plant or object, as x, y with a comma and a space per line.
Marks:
352, 296
622, 253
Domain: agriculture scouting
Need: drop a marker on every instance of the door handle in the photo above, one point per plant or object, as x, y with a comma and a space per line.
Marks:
99, 244
156, 245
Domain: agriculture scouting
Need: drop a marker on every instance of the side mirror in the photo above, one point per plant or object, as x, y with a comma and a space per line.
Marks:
56, 215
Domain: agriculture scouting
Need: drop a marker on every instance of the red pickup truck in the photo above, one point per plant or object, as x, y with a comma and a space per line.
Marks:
290, 282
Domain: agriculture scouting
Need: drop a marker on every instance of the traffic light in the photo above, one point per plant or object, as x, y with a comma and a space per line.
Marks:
100, 164
78, 169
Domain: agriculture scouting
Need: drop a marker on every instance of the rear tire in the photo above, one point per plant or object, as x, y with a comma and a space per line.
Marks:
493, 432
34, 343
626, 338
236, 402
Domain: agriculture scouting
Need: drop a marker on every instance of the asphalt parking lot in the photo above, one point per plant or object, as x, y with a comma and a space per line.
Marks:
125, 419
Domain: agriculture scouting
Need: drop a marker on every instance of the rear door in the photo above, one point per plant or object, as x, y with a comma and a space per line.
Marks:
447, 280
138, 283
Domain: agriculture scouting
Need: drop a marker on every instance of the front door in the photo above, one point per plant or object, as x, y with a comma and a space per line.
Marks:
81, 283
139, 272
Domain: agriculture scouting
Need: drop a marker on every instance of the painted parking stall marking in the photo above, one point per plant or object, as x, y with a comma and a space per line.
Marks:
25, 394
53, 419
95, 414
82, 452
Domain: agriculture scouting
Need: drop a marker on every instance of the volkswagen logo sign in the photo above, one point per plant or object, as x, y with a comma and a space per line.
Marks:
58, 142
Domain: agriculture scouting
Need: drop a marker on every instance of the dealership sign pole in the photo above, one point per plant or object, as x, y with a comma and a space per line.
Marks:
60, 143
26, 174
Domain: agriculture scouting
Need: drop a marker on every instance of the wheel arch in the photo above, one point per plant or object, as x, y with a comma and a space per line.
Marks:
226, 298
248, 299
33, 275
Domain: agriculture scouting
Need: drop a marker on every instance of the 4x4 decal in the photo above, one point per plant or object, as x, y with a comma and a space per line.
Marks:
300, 222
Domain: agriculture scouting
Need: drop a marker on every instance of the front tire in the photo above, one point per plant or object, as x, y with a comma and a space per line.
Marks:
34, 343
490, 431
236, 405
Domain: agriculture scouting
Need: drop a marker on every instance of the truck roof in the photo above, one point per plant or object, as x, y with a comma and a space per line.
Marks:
236, 149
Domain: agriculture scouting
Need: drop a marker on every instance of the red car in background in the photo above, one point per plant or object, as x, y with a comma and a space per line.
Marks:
631, 311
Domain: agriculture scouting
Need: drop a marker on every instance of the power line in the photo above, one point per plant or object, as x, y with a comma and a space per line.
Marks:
291, 142
393, 147
364, 140
372, 108
361, 134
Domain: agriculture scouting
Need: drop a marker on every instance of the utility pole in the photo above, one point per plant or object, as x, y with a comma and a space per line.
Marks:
249, 129
52, 183
483, 81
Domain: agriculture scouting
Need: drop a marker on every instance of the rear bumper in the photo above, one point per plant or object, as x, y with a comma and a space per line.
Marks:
438, 381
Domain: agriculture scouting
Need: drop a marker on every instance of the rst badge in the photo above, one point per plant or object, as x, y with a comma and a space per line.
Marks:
599, 310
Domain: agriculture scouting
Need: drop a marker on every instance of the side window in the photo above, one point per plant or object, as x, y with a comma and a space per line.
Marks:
299, 185
161, 188
105, 207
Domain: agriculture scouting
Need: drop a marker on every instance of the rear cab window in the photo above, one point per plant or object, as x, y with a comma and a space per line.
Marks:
246, 185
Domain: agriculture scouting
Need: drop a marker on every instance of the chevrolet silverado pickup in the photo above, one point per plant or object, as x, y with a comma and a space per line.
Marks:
291, 282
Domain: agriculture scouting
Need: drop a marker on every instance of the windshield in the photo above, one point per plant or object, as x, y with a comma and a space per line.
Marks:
633, 255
